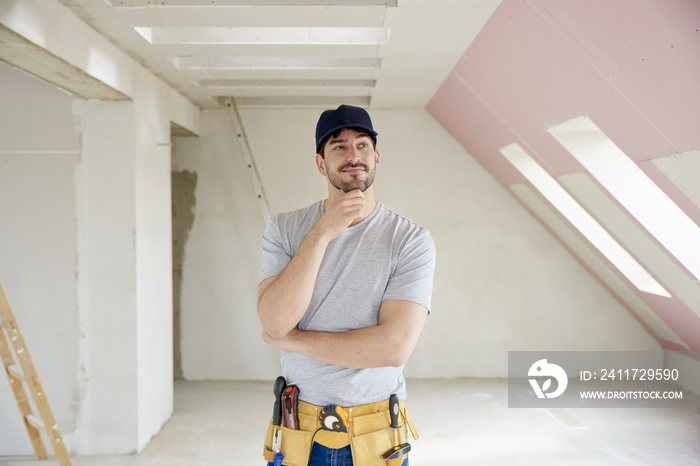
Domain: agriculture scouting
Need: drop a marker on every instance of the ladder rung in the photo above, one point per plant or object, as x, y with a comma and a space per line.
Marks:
25, 371
36, 423
14, 371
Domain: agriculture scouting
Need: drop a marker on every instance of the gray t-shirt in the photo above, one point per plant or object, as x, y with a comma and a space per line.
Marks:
385, 256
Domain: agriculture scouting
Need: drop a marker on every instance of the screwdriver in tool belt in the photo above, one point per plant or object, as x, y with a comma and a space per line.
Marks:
404, 448
280, 385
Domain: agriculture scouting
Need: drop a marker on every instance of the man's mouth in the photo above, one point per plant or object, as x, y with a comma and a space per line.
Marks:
354, 168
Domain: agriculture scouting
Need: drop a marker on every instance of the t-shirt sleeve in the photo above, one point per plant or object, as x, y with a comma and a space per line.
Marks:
412, 279
275, 253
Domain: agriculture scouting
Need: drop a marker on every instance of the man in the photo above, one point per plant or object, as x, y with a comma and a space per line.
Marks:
345, 291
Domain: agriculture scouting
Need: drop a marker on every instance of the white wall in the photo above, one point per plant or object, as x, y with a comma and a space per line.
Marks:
221, 334
109, 354
39, 155
502, 282
106, 195
153, 110
69, 263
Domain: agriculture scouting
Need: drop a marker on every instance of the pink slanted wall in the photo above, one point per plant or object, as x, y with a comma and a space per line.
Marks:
631, 66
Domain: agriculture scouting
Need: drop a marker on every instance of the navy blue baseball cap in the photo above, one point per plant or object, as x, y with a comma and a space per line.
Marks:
345, 116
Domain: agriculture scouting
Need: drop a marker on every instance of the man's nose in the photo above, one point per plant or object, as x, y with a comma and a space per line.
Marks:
354, 155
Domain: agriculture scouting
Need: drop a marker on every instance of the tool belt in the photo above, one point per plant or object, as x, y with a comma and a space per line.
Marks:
369, 434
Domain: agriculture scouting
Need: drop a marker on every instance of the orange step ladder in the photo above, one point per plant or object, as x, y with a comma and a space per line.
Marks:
26, 373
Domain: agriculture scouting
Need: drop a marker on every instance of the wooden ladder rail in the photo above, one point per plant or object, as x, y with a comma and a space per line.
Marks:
28, 374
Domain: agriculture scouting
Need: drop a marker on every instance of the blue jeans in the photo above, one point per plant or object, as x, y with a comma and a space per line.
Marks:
323, 456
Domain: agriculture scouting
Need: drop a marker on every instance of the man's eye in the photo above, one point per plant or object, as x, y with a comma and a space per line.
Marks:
338, 147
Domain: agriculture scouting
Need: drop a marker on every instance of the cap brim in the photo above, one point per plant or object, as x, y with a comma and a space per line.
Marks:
372, 132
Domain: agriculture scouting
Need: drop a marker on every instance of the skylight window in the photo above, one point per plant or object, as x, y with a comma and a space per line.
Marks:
275, 63
265, 35
328, 83
615, 171
143, 4
582, 220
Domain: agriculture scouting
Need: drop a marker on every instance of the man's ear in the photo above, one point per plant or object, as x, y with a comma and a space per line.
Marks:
321, 165
376, 157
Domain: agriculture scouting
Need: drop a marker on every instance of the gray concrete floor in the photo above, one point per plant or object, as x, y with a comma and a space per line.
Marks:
460, 422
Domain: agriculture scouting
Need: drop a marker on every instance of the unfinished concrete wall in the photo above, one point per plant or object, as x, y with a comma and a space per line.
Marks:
184, 184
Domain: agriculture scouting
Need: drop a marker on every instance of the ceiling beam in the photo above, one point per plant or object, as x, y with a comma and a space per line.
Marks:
244, 3
27, 56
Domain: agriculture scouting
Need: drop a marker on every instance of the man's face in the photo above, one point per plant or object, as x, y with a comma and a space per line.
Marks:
350, 160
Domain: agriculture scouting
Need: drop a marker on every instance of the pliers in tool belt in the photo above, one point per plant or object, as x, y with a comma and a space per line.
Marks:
276, 443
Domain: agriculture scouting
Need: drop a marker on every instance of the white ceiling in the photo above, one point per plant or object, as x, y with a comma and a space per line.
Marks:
379, 54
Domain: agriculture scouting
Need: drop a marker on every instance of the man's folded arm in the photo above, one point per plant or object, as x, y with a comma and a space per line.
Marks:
283, 299
389, 343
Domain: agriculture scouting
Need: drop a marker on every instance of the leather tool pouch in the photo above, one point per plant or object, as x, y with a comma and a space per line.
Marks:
296, 445
371, 437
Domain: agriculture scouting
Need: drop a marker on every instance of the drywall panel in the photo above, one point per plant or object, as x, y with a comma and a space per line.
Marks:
37, 267
35, 116
537, 63
655, 71
453, 26
38, 247
107, 398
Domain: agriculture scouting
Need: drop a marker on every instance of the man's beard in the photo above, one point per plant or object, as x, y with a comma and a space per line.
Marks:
355, 183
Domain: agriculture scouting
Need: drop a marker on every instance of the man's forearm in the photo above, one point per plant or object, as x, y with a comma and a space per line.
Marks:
283, 303
389, 343
283, 300
356, 349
